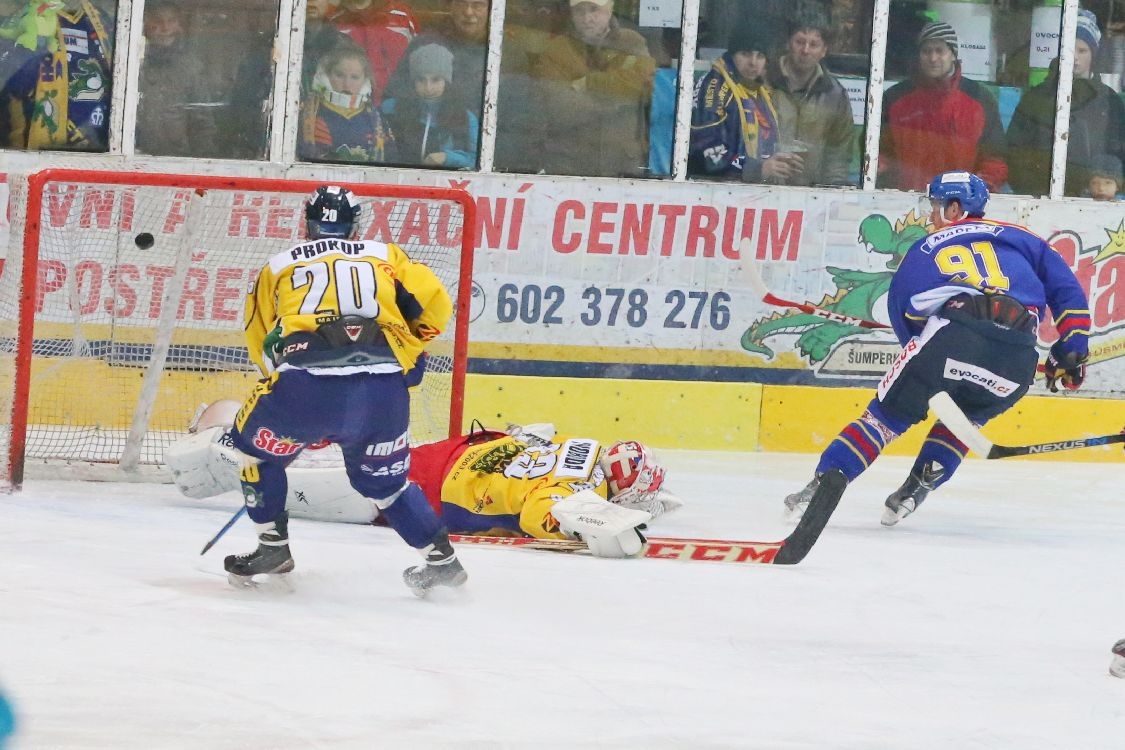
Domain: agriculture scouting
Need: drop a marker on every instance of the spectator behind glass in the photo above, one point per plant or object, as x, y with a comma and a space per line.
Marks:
734, 129
594, 87
1105, 178
431, 125
339, 122
60, 95
464, 32
938, 121
529, 28
174, 116
811, 104
383, 28
321, 37
1097, 122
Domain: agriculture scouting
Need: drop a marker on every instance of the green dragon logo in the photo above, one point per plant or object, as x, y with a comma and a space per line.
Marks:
856, 293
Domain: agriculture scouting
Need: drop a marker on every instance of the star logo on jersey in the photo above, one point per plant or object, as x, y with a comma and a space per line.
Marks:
266, 440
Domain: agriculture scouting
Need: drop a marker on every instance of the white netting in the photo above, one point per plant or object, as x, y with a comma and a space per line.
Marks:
100, 294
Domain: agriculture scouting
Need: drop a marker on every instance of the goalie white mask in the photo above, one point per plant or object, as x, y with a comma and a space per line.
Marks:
633, 475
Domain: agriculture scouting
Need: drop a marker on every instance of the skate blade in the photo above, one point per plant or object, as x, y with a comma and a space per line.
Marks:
453, 585
278, 582
890, 517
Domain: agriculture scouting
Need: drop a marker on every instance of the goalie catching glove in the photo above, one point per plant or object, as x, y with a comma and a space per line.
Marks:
1067, 369
609, 530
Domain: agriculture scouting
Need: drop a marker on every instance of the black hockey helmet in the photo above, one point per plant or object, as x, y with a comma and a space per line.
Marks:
332, 211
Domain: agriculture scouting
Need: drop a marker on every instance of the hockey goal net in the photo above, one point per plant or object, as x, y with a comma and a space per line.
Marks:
121, 308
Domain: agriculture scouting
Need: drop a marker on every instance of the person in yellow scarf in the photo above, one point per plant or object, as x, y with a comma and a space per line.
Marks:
734, 132
59, 98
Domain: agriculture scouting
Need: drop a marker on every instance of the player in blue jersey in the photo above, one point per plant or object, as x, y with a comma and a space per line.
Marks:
338, 328
965, 304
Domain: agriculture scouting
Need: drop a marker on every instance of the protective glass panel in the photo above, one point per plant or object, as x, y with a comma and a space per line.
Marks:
391, 83
969, 86
1096, 144
780, 91
56, 66
205, 78
588, 88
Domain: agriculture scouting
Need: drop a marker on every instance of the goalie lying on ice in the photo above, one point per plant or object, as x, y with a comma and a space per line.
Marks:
523, 481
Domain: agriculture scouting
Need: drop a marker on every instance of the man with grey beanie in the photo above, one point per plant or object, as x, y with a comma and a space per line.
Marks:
938, 121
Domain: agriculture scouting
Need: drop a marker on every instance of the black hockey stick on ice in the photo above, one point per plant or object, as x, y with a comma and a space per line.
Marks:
951, 415
226, 527
789, 551
754, 278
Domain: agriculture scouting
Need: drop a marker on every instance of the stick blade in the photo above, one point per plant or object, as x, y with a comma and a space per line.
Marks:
812, 523
952, 417
751, 274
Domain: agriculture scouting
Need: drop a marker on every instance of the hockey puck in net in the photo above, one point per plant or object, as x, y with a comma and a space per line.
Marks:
144, 240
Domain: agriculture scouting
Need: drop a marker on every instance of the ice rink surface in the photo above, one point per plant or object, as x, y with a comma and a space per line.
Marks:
983, 621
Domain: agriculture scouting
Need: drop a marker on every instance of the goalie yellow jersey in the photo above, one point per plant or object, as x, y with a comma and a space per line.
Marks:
507, 486
321, 281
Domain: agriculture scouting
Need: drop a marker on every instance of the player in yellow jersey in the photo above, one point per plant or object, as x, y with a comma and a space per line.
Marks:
512, 483
338, 326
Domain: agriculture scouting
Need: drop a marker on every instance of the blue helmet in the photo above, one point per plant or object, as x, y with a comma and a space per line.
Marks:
964, 187
332, 211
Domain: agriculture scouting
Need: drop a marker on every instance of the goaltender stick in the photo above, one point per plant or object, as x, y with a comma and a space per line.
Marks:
525, 481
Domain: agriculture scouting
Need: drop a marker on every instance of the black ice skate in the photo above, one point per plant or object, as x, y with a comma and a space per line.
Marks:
1117, 664
271, 558
442, 568
796, 503
906, 499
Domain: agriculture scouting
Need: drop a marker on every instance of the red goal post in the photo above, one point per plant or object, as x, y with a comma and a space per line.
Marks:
110, 343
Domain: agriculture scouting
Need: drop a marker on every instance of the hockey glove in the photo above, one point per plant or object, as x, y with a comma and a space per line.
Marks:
1065, 369
608, 530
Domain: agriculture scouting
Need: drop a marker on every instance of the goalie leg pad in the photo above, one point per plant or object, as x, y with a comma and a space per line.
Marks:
206, 463
326, 495
609, 530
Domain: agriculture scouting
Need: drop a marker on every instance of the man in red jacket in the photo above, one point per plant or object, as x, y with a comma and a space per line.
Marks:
938, 121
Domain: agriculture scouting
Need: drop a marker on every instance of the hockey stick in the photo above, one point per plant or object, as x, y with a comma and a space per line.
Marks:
789, 551
754, 278
226, 527
952, 417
